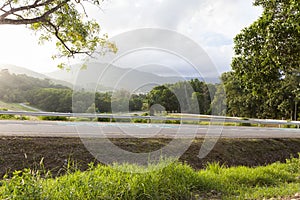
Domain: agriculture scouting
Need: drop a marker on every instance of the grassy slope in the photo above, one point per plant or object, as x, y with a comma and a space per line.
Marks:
163, 181
14, 106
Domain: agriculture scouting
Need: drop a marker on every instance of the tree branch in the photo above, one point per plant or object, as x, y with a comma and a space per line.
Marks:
42, 18
23, 8
72, 52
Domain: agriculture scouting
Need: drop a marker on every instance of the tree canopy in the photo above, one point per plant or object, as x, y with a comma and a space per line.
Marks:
63, 20
192, 96
266, 65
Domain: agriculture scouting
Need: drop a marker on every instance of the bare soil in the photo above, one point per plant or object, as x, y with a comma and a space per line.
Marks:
17, 153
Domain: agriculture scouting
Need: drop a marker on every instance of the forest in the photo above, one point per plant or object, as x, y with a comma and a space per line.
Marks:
45, 95
192, 96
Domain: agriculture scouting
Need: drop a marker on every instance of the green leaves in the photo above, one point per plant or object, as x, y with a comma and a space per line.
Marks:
66, 21
267, 56
191, 96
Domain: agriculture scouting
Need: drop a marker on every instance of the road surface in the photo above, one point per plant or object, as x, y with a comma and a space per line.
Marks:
124, 130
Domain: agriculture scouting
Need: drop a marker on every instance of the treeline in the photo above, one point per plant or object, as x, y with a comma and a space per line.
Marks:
15, 88
188, 96
191, 96
47, 96
277, 100
40, 93
232, 98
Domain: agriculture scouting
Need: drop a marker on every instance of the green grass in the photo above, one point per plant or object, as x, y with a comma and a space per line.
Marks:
14, 106
166, 180
11, 117
53, 118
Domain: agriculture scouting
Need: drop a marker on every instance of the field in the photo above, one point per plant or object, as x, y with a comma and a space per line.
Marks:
60, 169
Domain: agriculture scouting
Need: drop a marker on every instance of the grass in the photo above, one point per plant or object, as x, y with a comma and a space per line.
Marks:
14, 106
11, 117
166, 180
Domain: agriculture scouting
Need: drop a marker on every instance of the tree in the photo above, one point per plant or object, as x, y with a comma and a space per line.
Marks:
219, 103
267, 58
103, 101
65, 20
191, 96
136, 102
120, 101
162, 95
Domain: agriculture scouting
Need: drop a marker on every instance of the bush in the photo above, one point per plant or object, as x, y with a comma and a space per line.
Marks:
54, 118
245, 123
106, 120
172, 121
23, 117
289, 126
6, 116
139, 120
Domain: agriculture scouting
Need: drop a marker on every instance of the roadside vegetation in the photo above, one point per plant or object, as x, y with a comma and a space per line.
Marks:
166, 180
11, 117
13, 106
47, 96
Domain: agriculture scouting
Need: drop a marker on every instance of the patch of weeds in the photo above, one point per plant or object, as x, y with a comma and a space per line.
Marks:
54, 118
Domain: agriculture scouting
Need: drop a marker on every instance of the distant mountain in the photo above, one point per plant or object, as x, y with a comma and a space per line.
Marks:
102, 77
20, 70
187, 73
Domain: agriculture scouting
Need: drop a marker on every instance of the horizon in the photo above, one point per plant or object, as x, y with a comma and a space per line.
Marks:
50, 74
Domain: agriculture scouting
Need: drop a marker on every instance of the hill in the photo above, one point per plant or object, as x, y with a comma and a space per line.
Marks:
104, 77
12, 69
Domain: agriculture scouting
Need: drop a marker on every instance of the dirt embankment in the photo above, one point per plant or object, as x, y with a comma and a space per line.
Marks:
27, 152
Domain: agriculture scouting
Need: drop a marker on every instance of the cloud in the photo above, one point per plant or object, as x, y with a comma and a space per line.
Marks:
212, 24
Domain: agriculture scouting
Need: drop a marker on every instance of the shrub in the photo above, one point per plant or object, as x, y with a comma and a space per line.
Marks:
6, 116
54, 118
245, 123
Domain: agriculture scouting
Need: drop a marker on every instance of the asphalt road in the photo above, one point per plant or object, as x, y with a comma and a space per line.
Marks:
126, 130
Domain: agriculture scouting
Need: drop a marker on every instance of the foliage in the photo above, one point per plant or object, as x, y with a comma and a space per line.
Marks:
219, 103
191, 96
103, 102
40, 93
81, 102
162, 95
51, 99
48, 96
14, 88
265, 80
64, 20
118, 101
165, 180
54, 118
6, 116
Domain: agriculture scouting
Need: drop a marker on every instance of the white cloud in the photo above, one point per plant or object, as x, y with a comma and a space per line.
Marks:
212, 24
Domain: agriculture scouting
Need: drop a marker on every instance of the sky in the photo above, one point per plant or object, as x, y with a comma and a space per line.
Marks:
211, 24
